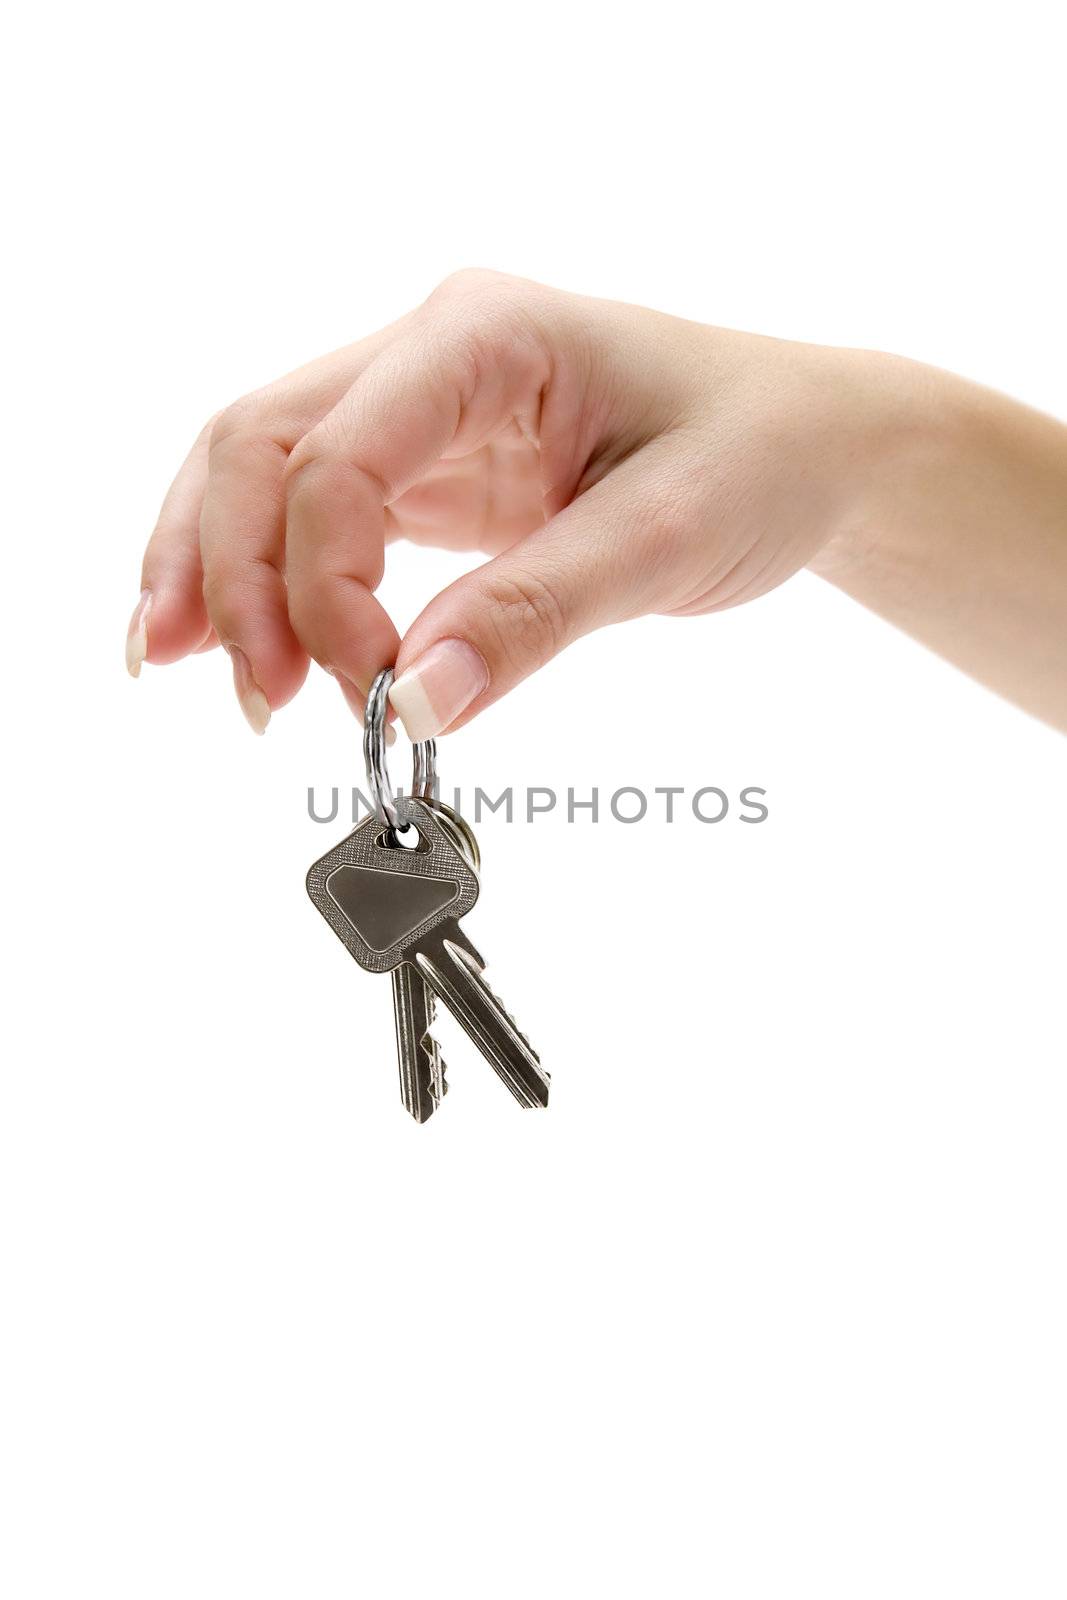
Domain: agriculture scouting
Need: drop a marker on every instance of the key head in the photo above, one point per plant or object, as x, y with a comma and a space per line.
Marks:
380, 897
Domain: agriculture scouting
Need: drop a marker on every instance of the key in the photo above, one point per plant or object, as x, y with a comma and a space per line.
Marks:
392, 906
422, 1068
454, 970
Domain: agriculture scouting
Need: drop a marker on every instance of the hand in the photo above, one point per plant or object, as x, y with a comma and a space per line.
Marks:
613, 462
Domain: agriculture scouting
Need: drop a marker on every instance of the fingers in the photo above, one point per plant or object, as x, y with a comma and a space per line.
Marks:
242, 543
170, 620
444, 386
214, 568
606, 557
272, 539
335, 552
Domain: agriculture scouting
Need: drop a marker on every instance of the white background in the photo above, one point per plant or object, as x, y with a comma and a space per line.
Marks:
770, 1303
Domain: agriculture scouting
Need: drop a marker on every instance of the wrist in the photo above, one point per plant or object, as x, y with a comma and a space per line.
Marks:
910, 426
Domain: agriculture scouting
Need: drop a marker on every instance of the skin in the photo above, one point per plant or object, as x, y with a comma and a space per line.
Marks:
611, 461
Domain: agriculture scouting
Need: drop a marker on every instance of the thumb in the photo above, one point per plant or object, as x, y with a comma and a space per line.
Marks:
592, 564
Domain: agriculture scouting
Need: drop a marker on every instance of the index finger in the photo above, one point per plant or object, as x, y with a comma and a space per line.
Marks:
450, 382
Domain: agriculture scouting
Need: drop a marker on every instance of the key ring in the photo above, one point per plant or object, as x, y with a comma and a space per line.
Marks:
424, 774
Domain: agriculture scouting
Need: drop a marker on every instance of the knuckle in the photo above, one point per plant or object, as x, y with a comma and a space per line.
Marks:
207, 432
469, 281
233, 422
308, 462
250, 425
323, 478
526, 614
483, 310
298, 469
313, 465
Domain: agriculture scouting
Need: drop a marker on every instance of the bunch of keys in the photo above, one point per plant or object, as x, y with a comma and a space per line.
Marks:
395, 892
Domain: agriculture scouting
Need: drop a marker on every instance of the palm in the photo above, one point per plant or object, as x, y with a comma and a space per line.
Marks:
485, 500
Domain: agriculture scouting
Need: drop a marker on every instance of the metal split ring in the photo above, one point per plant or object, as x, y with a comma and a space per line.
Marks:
424, 774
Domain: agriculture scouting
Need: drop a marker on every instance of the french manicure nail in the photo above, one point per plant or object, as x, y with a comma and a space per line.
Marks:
137, 635
443, 681
252, 699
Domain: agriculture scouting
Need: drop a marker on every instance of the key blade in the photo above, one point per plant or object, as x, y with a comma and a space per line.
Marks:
452, 968
422, 1067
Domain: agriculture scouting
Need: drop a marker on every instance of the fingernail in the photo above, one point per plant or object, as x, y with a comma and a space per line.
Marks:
253, 700
137, 635
357, 703
444, 680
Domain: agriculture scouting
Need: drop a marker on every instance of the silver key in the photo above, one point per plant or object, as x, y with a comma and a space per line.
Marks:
453, 968
422, 1068
390, 905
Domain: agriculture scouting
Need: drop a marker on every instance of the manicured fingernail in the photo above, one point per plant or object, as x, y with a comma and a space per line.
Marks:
137, 635
357, 703
253, 700
444, 680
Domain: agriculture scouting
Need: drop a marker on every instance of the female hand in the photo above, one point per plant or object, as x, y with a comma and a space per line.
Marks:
612, 461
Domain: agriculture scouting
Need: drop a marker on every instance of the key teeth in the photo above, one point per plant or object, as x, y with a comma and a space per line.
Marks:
473, 963
437, 1086
439, 1083
430, 1047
